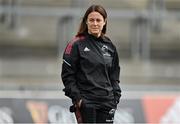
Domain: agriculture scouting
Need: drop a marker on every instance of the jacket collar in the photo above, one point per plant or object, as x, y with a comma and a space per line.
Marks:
101, 38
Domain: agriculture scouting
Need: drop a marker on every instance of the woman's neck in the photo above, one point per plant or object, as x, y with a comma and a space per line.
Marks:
95, 35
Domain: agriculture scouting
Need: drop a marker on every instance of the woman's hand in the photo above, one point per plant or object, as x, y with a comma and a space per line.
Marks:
79, 103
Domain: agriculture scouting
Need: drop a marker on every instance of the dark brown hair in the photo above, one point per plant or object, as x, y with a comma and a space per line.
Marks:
93, 8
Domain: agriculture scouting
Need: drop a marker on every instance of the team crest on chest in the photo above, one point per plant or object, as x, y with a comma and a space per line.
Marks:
105, 50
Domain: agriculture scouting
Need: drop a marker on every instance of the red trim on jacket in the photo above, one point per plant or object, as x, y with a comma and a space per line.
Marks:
70, 44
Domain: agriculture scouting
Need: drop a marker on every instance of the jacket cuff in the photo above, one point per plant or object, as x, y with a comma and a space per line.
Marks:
76, 99
117, 98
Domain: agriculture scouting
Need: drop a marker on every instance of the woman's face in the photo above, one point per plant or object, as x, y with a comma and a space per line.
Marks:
95, 23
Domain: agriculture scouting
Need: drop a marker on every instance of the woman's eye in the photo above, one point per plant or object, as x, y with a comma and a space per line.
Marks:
95, 20
98, 20
91, 20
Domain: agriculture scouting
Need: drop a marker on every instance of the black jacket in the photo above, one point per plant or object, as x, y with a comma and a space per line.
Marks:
90, 71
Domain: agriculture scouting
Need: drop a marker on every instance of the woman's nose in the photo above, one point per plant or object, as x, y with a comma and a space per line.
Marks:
95, 22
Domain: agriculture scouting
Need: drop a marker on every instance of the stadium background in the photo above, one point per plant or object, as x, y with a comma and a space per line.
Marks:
33, 34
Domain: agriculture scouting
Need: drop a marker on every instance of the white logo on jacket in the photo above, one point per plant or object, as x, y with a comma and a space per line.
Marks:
105, 51
86, 49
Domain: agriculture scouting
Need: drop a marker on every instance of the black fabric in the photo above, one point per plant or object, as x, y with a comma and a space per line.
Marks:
90, 71
94, 115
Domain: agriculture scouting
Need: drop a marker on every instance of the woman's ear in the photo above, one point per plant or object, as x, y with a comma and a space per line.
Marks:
105, 21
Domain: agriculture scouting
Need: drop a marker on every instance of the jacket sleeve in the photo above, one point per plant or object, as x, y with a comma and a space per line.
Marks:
69, 69
114, 76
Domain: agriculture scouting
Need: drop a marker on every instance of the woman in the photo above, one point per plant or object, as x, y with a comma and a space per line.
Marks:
90, 69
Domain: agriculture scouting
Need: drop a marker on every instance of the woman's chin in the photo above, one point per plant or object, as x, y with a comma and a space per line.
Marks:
95, 33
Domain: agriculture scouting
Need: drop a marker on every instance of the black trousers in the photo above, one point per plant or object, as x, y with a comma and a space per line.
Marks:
93, 115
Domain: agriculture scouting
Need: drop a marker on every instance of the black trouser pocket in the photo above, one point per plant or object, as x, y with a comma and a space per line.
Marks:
90, 114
